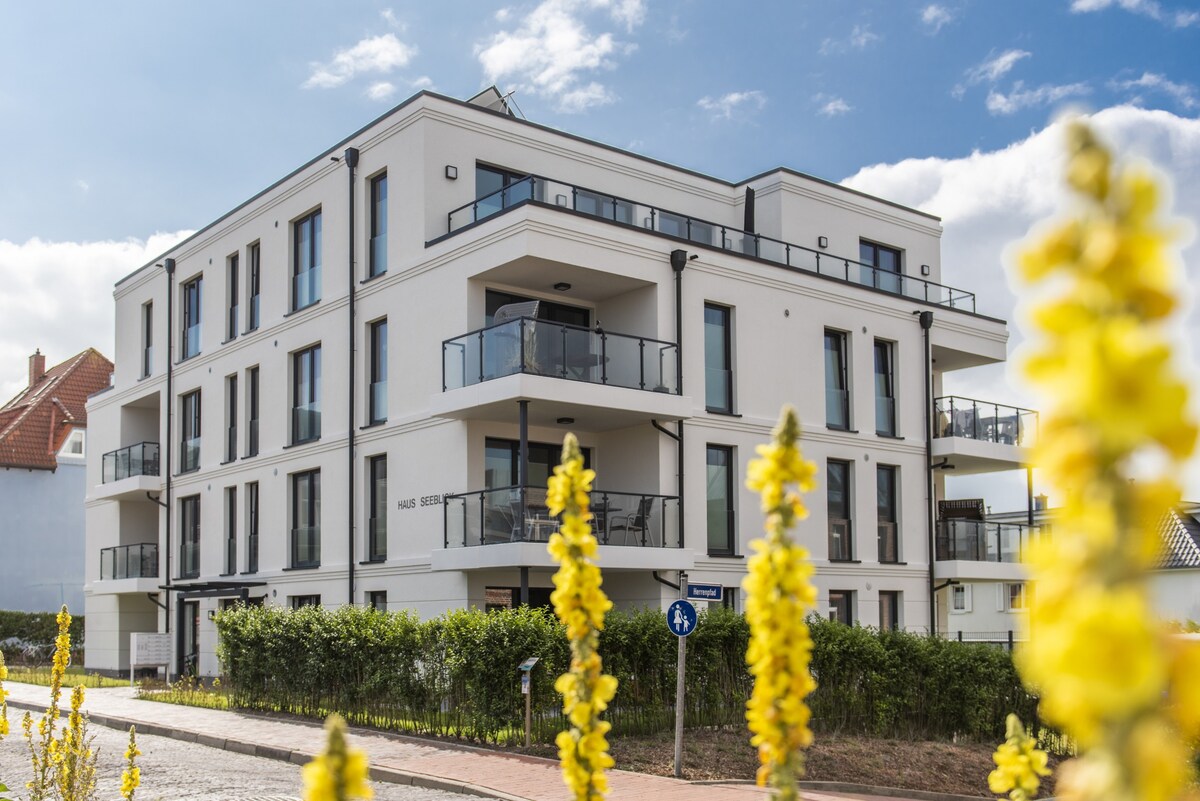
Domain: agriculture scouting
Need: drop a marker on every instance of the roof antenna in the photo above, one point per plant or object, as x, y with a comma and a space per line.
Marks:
511, 96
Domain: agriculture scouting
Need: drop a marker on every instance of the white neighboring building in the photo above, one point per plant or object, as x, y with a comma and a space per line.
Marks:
361, 376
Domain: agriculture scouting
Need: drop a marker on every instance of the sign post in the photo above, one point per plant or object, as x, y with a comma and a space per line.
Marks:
526, 668
681, 620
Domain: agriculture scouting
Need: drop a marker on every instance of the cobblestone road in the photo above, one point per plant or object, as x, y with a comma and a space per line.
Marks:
172, 769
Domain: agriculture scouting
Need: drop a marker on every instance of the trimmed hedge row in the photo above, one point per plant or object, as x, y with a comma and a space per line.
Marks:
456, 675
30, 635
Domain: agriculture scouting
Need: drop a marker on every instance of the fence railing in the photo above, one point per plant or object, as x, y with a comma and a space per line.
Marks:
129, 561
519, 514
541, 347
983, 420
554, 193
133, 460
983, 540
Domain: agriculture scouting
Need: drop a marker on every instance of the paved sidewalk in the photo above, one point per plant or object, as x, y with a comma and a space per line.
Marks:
394, 758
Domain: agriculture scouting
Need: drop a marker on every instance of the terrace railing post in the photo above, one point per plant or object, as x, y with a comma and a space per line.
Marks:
446, 523
482, 517
603, 358
521, 341
481, 345
641, 363
562, 369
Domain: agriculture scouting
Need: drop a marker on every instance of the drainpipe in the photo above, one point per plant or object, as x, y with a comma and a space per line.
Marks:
926, 320
351, 163
522, 480
169, 266
679, 260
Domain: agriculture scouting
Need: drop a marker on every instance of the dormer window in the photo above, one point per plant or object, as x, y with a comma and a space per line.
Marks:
74, 444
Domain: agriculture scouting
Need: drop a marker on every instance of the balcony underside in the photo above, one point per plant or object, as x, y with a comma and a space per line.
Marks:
960, 346
970, 456
129, 586
133, 488
593, 407
533, 554
979, 571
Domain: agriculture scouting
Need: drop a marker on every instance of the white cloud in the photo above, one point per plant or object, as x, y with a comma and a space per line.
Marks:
551, 51
832, 106
995, 67
1184, 94
859, 38
726, 105
380, 54
1020, 97
1146, 8
82, 185
424, 82
381, 90
988, 200
936, 17
392, 20
58, 297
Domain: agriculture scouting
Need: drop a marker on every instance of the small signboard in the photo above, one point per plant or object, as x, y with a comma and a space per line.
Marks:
681, 618
525, 683
704, 592
148, 649
528, 664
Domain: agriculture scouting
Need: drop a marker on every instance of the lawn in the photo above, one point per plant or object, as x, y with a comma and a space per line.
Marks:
75, 676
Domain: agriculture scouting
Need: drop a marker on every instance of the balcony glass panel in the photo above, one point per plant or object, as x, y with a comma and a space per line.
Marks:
981, 420
306, 547
887, 542
129, 561
378, 254
377, 539
837, 408
306, 287
189, 559
379, 401
191, 454
191, 340
306, 422
839, 540
133, 460
251, 553
885, 415
983, 541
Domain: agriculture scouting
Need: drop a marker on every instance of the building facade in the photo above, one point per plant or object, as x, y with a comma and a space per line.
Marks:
43, 443
360, 378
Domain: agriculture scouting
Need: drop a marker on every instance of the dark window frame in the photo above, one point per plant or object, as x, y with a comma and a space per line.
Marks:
253, 513
885, 374
729, 547
306, 511
846, 552
378, 372
894, 601
189, 535
191, 316
840, 376
231, 530
377, 507
254, 290
147, 338
306, 362
887, 511
842, 603
190, 420
379, 226
373, 600
232, 278
310, 223
253, 404
231, 417
724, 358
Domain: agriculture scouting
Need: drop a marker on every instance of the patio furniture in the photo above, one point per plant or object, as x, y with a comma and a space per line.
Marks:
636, 523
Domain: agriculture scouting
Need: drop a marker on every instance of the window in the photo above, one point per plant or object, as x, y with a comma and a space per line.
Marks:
252, 312
306, 519
684, 227
189, 537
231, 521
841, 606
837, 489
73, 445
885, 389
306, 261
189, 451
880, 266
377, 397
231, 291
960, 598
377, 600
231, 417
147, 339
502, 455
252, 412
718, 360
889, 610
719, 494
252, 527
377, 529
301, 601
1014, 597
837, 395
729, 598
606, 206
885, 502
306, 395
379, 225
497, 189
191, 318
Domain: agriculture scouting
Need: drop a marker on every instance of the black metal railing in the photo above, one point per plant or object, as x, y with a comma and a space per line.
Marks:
983, 420
983, 540
559, 194
129, 561
541, 347
133, 460
519, 514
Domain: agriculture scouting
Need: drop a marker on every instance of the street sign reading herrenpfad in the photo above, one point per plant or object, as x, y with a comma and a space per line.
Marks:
704, 592
681, 618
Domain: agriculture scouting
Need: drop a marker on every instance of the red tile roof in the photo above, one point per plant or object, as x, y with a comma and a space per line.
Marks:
34, 424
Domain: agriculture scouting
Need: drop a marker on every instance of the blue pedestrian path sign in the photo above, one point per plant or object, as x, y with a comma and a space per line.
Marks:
681, 618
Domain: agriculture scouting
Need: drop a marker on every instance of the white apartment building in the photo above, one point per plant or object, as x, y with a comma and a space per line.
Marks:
359, 379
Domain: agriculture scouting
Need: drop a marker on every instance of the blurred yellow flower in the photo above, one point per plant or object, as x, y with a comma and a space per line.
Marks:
338, 773
1019, 764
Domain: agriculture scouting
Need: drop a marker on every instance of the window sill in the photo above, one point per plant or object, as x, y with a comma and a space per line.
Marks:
183, 359
225, 575
231, 339
301, 567
902, 564
378, 561
841, 428
195, 469
143, 378
250, 331
726, 556
302, 309
250, 455
373, 424
222, 464
188, 577
721, 412
846, 561
888, 436
248, 573
301, 442
371, 278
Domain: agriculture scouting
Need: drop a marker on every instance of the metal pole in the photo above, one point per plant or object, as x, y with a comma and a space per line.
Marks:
528, 706
679, 688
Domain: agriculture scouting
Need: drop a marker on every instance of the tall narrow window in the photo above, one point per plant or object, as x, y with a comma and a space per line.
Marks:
306, 395
837, 395
254, 288
231, 418
189, 416
377, 525
719, 495
147, 339
231, 529
306, 519
718, 359
379, 226
378, 395
885, 494
889, 610
306, 261
841, 606
880, 266
189, 537
191, 318
841, 529
231, 313
885, 389
252, 527
252, 412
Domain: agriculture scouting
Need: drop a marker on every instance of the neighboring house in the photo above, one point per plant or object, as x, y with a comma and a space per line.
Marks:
43, 444
360, 378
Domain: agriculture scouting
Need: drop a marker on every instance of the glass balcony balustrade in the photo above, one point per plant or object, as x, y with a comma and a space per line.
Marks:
983, 541
133, 460
982, 420
129, 561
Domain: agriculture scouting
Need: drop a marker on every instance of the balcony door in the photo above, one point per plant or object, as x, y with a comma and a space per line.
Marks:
501, 458
547, 309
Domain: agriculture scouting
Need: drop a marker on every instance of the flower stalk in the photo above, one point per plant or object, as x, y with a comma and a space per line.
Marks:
340, 772
131, 776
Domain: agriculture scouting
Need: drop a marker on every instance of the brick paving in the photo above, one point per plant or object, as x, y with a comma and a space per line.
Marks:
394, 758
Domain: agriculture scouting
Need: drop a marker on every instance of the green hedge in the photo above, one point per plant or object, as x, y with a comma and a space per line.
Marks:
456, 675
35, 632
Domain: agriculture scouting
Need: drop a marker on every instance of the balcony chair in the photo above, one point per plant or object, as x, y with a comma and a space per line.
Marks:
636, 523
508, 341
537, 524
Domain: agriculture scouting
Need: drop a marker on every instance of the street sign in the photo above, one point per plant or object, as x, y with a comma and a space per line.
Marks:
528, 664
681, 618
704, 592
525, 683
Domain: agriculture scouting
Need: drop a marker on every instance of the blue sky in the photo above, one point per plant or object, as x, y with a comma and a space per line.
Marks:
126, 126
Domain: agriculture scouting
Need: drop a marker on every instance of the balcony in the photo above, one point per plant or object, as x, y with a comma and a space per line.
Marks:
128, 569
982, 549
509, 527
980, 436
551, 193
129, 473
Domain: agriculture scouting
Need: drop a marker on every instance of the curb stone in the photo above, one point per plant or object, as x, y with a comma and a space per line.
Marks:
864, 789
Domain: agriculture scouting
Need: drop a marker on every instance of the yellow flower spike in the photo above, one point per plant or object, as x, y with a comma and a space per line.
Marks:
778, 595
131, 777
340, 772
1019, 764
580, 604
3, 697
1112, 395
